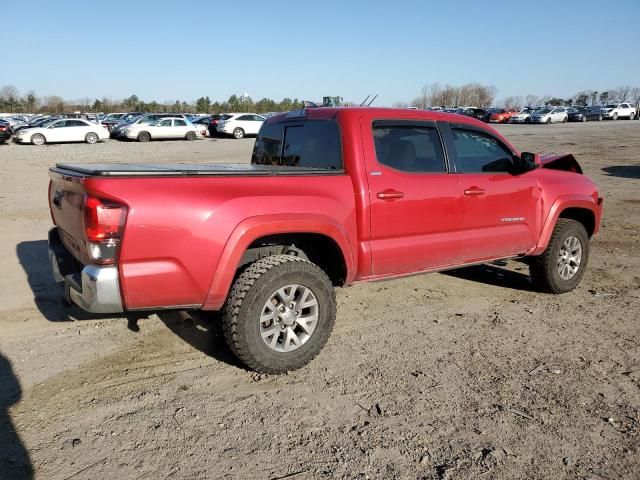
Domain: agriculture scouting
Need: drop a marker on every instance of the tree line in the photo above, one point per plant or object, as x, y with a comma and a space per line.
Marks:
431, 95
13, 102
478, 95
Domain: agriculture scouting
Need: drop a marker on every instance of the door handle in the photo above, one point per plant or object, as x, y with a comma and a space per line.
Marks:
473, 192
390, 194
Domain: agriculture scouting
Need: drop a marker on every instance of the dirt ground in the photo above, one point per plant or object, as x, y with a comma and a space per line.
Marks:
469, 374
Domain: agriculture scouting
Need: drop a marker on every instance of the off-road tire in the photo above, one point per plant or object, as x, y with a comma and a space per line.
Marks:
190, 136
144, 137
249, 293
544, 268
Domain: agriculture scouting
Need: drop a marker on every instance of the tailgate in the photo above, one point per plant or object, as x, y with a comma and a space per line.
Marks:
66, 197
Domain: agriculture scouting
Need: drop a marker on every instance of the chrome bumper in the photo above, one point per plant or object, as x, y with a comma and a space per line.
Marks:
94, 289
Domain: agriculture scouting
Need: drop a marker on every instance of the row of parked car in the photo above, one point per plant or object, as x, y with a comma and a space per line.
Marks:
550, 114
139, 126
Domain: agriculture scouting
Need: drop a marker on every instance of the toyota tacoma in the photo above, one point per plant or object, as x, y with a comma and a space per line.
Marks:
332, 196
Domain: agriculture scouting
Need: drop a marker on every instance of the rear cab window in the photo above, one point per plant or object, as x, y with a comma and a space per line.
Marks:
299, 143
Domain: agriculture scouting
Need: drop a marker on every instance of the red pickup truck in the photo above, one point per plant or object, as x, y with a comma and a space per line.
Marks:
331, 197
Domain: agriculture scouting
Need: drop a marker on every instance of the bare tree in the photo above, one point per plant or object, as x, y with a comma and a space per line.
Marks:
634, 95
53, 104
9, 96
620, 94
531, 100
401, 105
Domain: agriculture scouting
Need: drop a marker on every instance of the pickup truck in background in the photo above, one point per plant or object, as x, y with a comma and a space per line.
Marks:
332, 196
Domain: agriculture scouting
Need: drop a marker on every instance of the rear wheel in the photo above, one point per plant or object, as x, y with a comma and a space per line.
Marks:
91, 138
190, 136
564, 120
238, 133
144, 136
279, 314
584, 118
38, 139
599, 118
561, 266
631, 116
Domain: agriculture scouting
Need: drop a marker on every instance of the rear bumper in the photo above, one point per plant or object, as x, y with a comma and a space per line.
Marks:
93, 288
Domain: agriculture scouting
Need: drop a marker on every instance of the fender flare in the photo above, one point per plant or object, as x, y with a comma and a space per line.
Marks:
561, 204
252, 228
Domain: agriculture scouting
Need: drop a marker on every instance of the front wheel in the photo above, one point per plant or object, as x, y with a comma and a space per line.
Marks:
615, 116
561, 266
549, 121
584, 118
38, 139
91, 138
599, 118
144, 136
238, 133
279, 314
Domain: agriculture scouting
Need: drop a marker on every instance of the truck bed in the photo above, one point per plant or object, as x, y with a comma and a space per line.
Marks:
183, 169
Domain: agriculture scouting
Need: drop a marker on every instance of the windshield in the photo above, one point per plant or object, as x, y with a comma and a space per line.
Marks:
130, 118
49, 122
610, 106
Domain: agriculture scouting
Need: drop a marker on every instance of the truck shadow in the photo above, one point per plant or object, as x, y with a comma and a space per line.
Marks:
624, 171
14, 458
494, 274
47, 295
203, 331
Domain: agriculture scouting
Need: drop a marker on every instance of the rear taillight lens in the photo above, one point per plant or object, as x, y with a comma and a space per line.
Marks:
103, 225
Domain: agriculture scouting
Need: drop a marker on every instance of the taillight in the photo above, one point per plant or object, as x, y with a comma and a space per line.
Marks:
103, 225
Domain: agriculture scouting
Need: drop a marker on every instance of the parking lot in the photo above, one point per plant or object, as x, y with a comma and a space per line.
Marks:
465, 374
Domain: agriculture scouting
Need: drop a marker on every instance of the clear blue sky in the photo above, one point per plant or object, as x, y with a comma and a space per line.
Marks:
168, 50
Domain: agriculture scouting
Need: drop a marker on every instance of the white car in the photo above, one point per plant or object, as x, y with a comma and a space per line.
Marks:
615, 111
164, 128
522, 116
63, 130
240, 124
549, 115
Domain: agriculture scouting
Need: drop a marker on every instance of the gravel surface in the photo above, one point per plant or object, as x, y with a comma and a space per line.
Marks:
460, 375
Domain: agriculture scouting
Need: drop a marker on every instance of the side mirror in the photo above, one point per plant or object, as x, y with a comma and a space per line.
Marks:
526, 162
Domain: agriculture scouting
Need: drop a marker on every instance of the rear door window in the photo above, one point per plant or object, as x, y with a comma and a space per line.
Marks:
308, 143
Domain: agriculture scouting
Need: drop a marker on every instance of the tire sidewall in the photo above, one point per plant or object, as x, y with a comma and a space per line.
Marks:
248, 324
570, 230
92, 136
38, 135
240, 133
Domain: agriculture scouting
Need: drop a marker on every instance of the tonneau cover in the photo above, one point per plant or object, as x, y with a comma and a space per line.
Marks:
179, 169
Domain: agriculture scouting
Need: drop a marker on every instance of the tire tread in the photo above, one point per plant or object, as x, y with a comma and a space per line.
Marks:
231, 312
